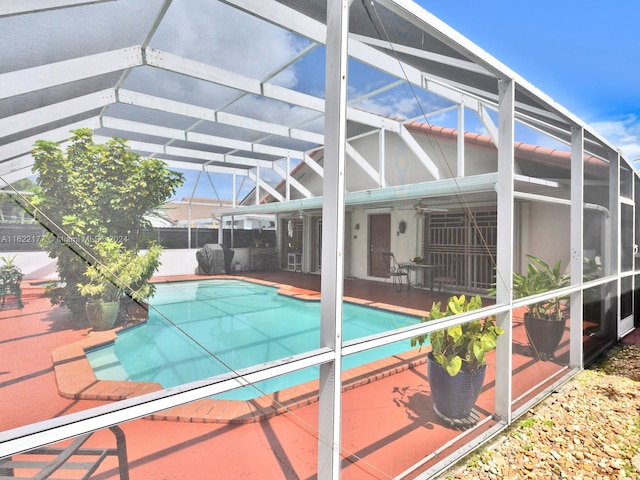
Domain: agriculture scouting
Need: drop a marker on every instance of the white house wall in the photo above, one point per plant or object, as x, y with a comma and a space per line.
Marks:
359, 251
403, 245
401, 166
545, 233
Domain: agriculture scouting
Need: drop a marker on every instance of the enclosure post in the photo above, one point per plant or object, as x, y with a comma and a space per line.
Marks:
287, 179
329, 416
189, 222
233, 190
611, 264
193, 193
257, 199
382, 158
504, 247
460, 143
577, 260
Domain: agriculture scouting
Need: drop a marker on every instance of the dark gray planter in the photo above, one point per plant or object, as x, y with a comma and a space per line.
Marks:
544, 334
454, 397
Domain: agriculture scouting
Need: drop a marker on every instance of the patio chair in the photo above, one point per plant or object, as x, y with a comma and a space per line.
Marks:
50, 461
448, 275
396, 272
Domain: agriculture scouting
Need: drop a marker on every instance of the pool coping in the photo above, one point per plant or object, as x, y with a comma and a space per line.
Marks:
76, 379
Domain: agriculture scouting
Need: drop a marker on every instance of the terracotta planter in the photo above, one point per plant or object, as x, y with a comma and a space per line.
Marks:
544, 334
102, 315
454, 397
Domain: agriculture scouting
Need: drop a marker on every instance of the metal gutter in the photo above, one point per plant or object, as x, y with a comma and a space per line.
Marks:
451, 186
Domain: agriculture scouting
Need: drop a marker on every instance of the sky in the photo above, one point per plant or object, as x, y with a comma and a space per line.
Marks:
584, 54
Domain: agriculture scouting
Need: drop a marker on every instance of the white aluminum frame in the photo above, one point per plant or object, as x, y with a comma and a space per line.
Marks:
545, 116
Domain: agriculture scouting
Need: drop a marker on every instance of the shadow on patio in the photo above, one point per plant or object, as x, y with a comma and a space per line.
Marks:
388, 424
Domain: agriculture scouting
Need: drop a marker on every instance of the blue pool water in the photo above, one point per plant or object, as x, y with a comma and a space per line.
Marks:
242, 324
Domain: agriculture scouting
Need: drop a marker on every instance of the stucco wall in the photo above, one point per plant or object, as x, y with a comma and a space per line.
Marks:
401, 166
38, 265
403, 245
545, 233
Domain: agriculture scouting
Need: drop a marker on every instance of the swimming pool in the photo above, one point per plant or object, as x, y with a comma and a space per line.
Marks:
240, 323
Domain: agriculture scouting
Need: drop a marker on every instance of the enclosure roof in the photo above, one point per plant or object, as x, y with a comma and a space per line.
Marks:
237, 86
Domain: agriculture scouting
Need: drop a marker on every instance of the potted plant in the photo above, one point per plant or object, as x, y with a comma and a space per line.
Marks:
115, 272
457, 362
544, 321
10, 278
89, 191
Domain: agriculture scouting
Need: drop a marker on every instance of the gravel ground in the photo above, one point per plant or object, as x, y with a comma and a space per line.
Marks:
589, 429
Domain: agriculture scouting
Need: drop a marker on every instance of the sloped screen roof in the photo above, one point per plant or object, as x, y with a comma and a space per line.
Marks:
230, 86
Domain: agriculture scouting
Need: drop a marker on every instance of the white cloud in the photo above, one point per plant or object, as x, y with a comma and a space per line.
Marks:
624, 133
214, 33
398, 104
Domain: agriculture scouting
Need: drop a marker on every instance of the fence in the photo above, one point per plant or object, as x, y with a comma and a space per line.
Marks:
25, 237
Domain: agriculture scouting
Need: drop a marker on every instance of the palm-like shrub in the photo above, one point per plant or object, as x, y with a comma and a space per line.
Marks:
540, 278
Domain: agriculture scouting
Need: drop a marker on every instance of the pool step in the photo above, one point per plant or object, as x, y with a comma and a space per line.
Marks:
106, 365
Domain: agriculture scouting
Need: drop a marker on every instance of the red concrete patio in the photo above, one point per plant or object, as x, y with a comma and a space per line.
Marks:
388, 423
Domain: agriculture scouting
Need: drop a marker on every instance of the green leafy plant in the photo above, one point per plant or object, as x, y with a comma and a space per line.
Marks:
118, 271
8, 263
88, 193
540, 278
461, 346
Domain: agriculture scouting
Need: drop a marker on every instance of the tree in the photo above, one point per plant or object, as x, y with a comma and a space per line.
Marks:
89, 194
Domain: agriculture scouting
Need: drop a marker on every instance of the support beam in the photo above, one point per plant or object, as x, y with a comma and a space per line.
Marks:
177, 134
611, 260
274, 193
294, 21
423, 54
16, 174
153, 102
157, 149
257, 189
460, 143
332, 287
504, 247
142, 128
487, 121
254, 124
577, 249
363, 164
17, 168
287, 179
202, 71
57, 111
291, 182
9, 8
382, 158
313, 165
67, 71
58, 135
419, 152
